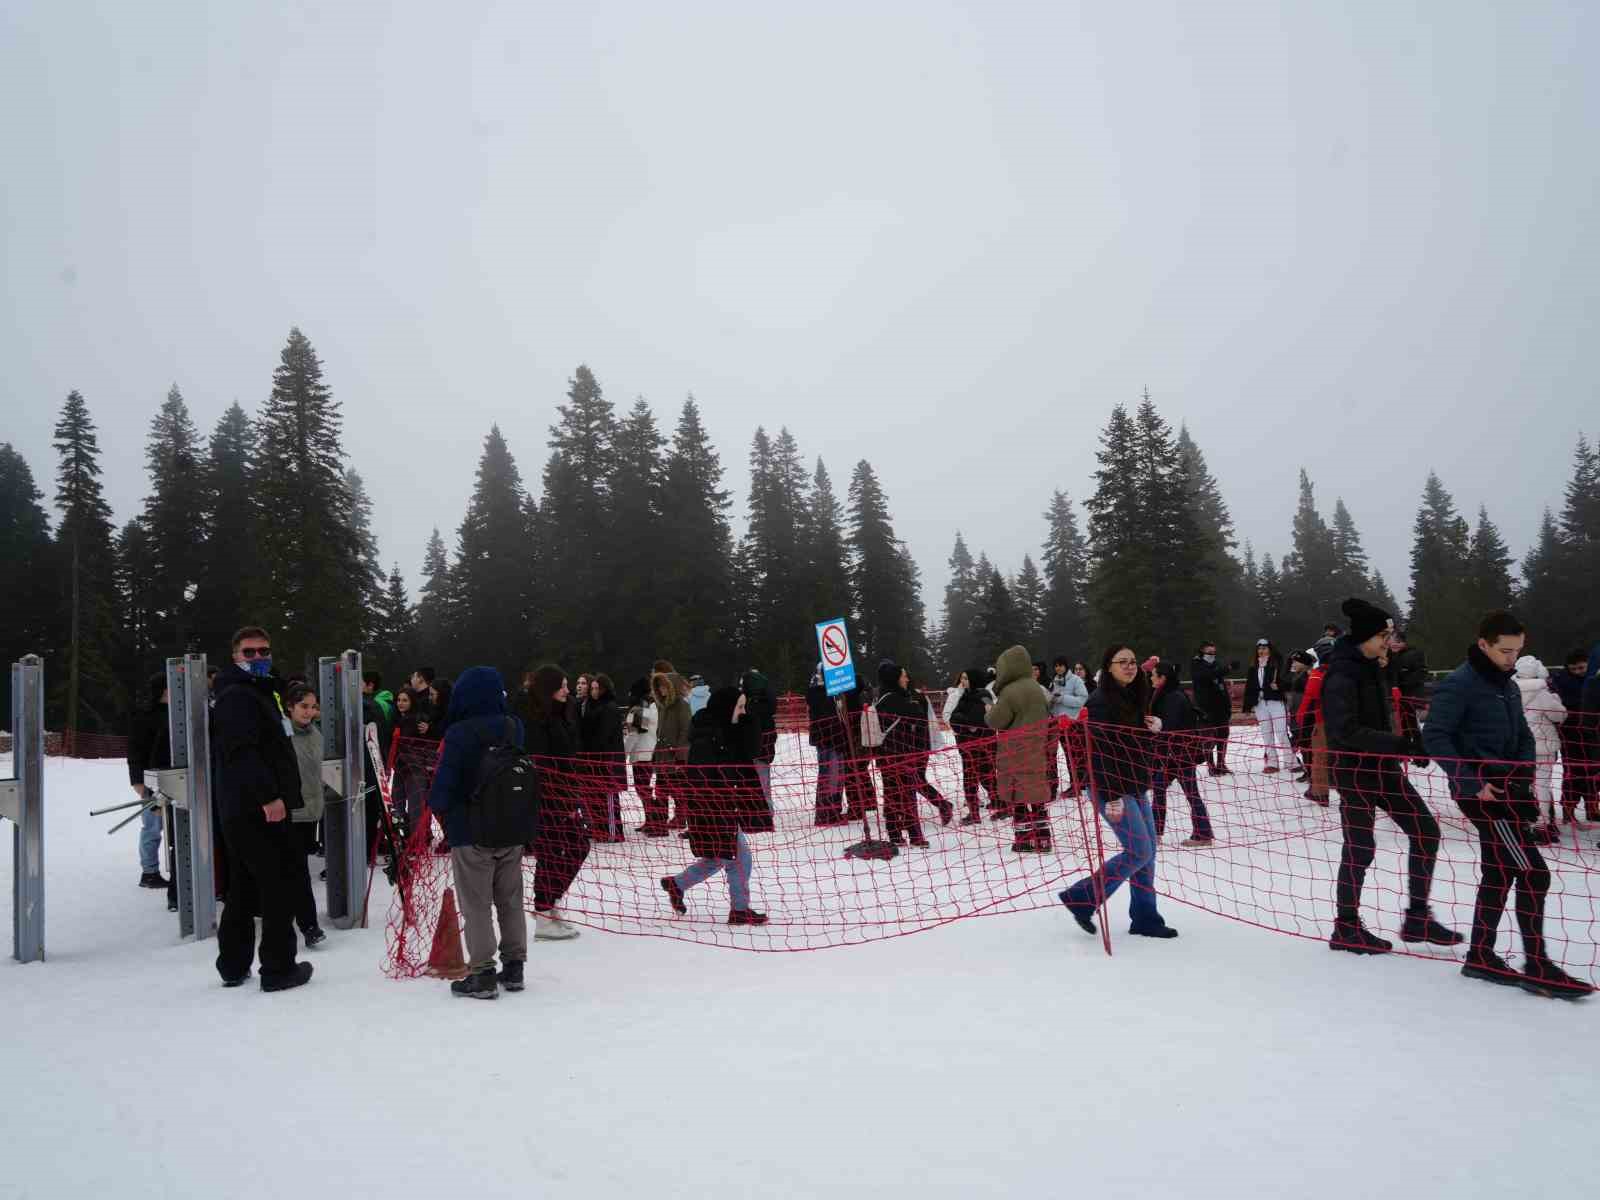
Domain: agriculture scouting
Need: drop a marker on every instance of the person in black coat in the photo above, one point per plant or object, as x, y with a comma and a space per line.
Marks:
975, 742
1580, 740
150, 749
724, 801
903, 717
601, 737
1179, 749
1366, 754
830, 736
1215, 704
562, 844
1121, 746
257, 783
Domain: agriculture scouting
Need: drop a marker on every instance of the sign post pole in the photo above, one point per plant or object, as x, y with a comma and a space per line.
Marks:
839, 677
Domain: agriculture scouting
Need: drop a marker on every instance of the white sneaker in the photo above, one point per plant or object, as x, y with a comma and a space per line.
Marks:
551, 928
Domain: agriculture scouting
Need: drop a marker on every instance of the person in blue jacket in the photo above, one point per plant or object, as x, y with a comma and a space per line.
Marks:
1477, 733
486, 877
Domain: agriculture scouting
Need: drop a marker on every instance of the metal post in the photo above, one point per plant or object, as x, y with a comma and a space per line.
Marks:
178, 809
344, 821
202, 828
22, 800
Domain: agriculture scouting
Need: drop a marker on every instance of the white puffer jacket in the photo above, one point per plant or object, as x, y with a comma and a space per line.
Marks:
1540, 705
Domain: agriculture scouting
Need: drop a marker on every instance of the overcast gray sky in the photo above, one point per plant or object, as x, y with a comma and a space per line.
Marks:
1356, 237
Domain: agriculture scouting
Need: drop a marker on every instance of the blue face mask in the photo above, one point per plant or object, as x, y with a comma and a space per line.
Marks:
260, 667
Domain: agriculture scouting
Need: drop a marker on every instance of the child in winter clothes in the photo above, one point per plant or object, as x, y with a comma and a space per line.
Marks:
303, 713
1545, 713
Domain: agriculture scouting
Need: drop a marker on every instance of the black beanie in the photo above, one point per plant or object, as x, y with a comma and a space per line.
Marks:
1365, 619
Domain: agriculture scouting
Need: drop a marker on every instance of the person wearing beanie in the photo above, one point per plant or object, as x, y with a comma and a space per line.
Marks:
1021, 716
1212, 698
1477, 730
1366, 752
1263, 695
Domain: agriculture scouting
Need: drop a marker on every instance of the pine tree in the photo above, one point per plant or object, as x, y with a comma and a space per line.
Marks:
489, 582
369, 578
308, 549
996, 625
887, 624
1122, 570
780, 629
228, 580
1542, 602
1349, 576
827, 560
175, 559
636, 546
1488, 567
957, 643
138, 615
394, 638
695, 601
1193, 563
1578, 565
1311, 595
1231, 598
577, 520
87, 560
1027, 592
1064, 625
1379, 594
28, 607
1270, 604
437, 609
1441, 612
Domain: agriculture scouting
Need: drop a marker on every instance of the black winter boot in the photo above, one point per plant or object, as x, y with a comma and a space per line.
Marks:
674, 894
511, 975
1491, 968
152, 879
1357, 939
1543, 978
1421, 927
298, 977
482, 985
746, 916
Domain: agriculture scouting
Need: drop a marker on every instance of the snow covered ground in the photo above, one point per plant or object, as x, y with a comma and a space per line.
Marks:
992, 1057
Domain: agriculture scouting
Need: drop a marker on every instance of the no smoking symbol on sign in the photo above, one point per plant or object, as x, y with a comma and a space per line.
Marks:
834, 649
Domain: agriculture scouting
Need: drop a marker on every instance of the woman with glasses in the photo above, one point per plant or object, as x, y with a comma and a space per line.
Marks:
1121, 732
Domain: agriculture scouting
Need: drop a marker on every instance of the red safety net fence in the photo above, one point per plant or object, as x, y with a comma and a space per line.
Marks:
1273, 859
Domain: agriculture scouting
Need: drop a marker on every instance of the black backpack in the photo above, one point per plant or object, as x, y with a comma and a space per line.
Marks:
504, 809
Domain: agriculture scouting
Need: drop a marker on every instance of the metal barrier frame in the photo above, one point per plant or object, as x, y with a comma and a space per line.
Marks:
344, 824
22, 802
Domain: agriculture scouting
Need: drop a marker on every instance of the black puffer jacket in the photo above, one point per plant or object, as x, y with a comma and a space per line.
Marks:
968, 719
1358, 715
255, 759
1120, 746
1179, 742
602, 740
1211, 690
903, 714
720, 784
1408, 671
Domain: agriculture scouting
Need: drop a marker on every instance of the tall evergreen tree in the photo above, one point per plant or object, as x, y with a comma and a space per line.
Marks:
1542, 602
957, 643
1270, 605
1488, 567
490, 577
369, 578
699, 577
1027, 593
775, 552
308, 548
28, 605
1349, 576
1122, 568
175, 465
138, 614
1578, 565
1064, 624
577, 519
827, 559
1231, 597
437, 610
1311, 594
1380, 595
887, 622
394, 638
1441, 611
1182, 504
636, 540
229, 583
996, 625
87, 585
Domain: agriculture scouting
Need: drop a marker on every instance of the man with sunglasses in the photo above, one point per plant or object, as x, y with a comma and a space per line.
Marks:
257, 783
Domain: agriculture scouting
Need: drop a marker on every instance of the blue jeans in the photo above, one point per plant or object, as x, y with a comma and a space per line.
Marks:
738, 870
1136, 831
150, 841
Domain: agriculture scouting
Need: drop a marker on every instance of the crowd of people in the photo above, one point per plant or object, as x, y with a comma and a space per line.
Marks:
546, 768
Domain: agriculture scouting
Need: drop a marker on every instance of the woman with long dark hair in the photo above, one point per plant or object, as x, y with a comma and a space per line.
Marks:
1120, 736
601, 738
562, 844
966, 709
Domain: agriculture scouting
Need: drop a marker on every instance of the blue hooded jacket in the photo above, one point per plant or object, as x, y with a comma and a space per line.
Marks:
477, 720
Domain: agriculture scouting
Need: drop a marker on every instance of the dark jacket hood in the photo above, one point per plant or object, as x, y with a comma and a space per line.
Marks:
479, 692
888, 677
720, 705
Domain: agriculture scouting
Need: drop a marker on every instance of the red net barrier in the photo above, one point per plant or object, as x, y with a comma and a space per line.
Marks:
1277, 842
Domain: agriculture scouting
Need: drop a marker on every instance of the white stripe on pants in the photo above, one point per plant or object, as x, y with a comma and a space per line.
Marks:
1274, 721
